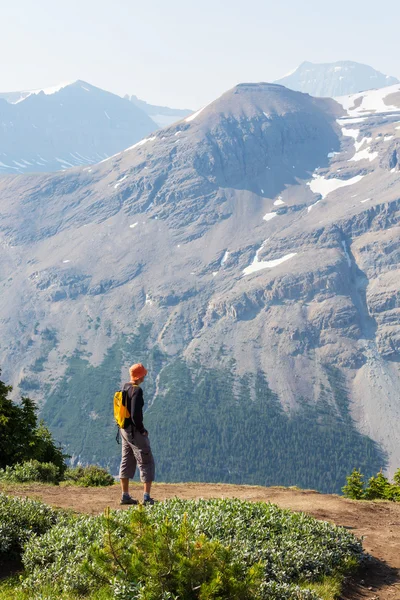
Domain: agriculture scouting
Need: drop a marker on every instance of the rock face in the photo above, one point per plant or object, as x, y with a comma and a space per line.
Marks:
335, 79
257, 236
59, 128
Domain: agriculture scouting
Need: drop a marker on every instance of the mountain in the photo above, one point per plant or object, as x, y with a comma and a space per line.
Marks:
161, 115
248, 255
65, 126
335, 79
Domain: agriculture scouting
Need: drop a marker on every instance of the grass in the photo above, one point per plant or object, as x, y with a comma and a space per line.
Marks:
10, 590
329, 589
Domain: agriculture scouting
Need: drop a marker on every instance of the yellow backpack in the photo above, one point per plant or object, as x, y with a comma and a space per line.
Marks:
121, 412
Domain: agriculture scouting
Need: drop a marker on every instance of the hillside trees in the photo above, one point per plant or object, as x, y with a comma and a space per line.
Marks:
22, 437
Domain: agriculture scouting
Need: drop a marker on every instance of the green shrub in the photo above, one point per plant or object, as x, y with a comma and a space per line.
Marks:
170, 562
257, 546
396, 477
56, 557
354, 487
31, 470
378, 488
22, 438
20, 520
90, 476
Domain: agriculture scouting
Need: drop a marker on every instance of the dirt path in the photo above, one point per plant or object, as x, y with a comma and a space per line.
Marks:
377, 522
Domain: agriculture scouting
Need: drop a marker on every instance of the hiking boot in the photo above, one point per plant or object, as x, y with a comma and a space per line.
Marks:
128, 500
149, 501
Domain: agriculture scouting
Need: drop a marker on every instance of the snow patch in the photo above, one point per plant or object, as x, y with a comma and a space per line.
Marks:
279, 202
133, 225
224, 258
351, 121
354, 133
63, 162
366, 200
322, 186
309, 208
194, 115
66, 261
7, 166
47, 91
120, 181
372, 101
141, 143
258, 265
365, 154
269, 216
388, 137
106, 113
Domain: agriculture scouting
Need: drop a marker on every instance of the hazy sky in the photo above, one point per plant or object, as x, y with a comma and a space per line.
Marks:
184, 54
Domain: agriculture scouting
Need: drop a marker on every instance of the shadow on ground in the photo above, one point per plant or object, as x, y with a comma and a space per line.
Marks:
373, 576
8, 568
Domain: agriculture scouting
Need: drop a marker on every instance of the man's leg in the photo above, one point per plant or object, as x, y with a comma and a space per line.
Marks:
145, 463
127, 468
124, 485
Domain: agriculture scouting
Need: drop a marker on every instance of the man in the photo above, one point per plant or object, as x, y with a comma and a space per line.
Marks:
136, 449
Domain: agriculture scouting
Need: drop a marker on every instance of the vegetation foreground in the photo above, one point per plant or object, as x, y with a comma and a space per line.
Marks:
205, 549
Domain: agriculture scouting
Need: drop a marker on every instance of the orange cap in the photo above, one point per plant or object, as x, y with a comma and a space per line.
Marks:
137, 371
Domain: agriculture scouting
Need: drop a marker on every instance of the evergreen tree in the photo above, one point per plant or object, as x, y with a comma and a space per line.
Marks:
22, 438
354, 487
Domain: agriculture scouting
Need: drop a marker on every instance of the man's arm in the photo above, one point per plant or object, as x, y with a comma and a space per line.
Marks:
137, 407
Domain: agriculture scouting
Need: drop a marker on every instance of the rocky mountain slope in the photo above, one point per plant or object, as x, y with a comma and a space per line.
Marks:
66, 126
335, 79
161, 115
249, 254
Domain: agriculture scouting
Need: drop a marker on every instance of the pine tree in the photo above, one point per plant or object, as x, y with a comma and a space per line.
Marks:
354, 487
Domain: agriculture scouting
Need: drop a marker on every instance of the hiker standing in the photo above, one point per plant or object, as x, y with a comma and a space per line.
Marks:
136, 449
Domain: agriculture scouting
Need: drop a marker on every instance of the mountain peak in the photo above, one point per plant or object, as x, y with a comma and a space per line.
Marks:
21, 95
335, 79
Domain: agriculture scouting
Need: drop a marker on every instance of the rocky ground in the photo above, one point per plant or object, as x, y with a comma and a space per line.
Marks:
378, 523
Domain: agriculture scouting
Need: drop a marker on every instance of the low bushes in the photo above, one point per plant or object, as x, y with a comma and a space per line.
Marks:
20, 520
378, 488
31, 470
35, 471
89, 476
200, 550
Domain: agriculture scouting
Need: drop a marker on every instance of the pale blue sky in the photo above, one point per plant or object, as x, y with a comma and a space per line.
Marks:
184, 54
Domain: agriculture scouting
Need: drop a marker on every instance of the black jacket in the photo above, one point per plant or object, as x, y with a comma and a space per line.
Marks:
135, 406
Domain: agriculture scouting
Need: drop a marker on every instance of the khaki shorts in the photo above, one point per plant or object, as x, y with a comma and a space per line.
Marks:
136, 452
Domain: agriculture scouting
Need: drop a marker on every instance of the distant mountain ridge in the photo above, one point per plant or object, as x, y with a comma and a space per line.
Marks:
65, 126
335, 79
161, 115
